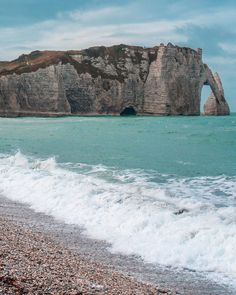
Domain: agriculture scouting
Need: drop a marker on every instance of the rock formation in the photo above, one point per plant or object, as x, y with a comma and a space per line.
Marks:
163, 80
214, 105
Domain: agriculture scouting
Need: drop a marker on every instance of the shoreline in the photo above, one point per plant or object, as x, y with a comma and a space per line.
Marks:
92, 115
117, 273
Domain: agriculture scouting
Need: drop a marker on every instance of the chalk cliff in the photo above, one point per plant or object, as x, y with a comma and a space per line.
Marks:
163, 80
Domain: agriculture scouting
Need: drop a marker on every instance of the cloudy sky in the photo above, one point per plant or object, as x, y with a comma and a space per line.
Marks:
27, 25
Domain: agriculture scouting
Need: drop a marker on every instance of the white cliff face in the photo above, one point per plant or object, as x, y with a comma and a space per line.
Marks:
32, 93
164, 80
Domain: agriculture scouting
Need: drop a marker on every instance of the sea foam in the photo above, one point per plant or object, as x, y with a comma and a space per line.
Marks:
180, 222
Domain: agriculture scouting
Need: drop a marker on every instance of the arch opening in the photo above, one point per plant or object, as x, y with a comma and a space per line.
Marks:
206, 93
128, 111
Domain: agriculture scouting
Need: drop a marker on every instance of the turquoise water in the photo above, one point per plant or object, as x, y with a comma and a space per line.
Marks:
163, 188
186, 146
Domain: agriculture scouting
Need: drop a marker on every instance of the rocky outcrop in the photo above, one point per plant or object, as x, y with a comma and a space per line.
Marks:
163, 80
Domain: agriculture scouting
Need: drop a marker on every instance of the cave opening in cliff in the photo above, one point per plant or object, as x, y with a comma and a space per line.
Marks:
128, 111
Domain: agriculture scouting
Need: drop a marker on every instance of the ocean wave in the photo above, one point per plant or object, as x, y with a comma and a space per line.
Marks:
180, 222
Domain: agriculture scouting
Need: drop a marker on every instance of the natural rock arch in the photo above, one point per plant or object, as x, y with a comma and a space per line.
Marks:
215, 103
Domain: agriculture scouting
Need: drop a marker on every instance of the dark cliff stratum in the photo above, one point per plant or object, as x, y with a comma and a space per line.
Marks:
117, 80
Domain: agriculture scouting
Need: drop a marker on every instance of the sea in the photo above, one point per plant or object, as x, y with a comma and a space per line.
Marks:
160, 188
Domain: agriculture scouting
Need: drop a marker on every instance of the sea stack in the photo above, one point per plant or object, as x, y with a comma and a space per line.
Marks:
116, 80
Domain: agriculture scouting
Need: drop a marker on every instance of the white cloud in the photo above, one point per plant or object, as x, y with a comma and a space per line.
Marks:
219, 17
80, 29
221, 60
99, 14
228, 47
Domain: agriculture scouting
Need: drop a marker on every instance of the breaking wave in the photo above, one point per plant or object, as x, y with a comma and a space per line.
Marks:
180, 222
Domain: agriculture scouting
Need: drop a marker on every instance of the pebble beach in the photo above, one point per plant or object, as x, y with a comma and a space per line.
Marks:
33, 263
41, 255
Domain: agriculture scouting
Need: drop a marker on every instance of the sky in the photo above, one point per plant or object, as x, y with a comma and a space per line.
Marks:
27, 25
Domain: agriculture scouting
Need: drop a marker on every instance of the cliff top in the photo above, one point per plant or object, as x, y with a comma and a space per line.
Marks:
41, 59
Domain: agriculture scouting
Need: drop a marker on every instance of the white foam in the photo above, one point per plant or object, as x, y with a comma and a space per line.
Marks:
132, 213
